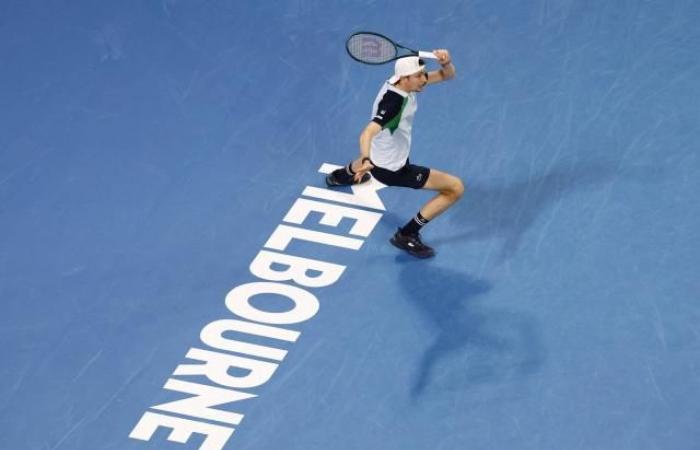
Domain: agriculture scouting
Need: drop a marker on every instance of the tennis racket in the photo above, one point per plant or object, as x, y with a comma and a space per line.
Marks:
373, 48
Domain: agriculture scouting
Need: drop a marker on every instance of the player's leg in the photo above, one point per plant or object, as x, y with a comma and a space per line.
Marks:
449, 189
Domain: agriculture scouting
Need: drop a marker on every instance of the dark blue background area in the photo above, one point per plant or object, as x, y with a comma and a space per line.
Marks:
149, 149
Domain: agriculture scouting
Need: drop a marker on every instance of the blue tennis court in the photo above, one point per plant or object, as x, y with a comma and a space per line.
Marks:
175, 274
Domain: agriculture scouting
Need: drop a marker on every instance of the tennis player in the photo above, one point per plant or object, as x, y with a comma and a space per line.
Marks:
385, 144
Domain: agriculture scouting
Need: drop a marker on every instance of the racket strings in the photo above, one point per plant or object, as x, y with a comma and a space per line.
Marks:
371, 48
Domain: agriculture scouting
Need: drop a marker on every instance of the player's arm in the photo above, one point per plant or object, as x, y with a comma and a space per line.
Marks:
362, 165
371, 130
447, 69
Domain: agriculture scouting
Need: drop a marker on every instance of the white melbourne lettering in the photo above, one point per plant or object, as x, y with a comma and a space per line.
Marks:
231, 365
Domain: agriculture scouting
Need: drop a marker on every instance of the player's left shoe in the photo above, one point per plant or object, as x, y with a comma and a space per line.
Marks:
413, 244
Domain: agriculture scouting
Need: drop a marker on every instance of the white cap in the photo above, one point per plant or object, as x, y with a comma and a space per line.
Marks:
406, 66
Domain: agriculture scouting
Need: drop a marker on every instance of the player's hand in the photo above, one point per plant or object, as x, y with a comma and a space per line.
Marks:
443, 56
366, 167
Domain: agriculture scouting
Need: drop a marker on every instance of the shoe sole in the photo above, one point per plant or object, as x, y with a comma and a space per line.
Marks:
365, 179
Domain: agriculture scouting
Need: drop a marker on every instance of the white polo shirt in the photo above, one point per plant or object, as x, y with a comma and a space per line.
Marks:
394, 110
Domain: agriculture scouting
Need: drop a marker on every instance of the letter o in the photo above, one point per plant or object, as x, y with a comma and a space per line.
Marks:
305, 303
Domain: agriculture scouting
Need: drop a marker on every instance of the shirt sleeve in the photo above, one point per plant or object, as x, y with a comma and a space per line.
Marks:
388, 109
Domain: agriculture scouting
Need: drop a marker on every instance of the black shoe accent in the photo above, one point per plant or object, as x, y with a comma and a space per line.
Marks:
332, 180
412, 244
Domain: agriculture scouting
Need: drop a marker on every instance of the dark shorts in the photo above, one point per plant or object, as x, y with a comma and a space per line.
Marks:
410, 175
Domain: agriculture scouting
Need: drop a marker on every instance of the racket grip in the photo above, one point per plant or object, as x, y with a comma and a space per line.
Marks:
429, 55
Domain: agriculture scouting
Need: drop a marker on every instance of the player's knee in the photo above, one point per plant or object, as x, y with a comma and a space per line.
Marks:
457, 188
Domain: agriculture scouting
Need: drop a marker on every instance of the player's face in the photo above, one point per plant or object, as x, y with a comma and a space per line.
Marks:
417, 81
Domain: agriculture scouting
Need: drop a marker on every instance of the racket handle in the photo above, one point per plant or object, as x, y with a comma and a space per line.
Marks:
429, 55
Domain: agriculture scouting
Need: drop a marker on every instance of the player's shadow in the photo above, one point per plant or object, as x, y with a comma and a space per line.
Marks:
506, 211
473, 343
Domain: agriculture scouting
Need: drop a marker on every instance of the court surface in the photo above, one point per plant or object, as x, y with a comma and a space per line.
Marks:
151, 151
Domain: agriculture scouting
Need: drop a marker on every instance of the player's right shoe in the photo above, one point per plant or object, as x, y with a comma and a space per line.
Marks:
412, 244
340, 177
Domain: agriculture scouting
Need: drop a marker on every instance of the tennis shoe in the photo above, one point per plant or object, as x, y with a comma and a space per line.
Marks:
340, 177
412, 244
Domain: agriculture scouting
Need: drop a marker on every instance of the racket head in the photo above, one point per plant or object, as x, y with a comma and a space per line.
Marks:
371, 48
